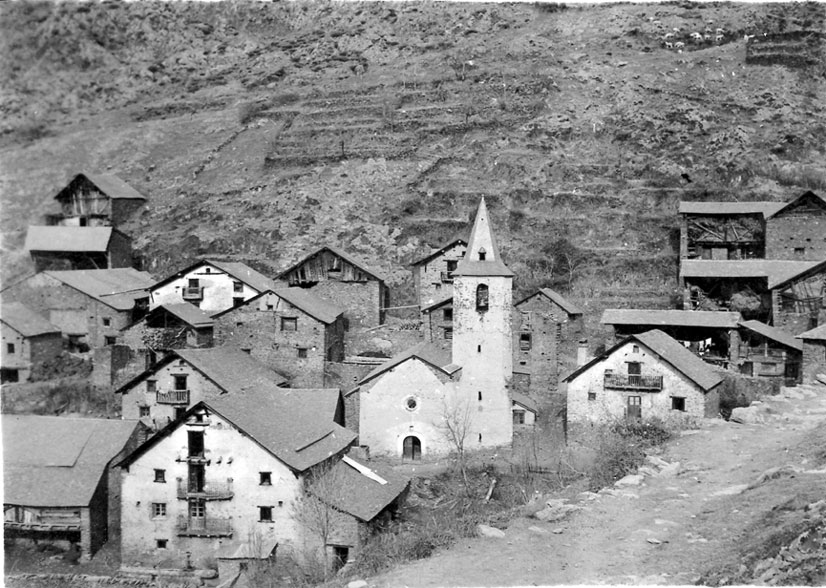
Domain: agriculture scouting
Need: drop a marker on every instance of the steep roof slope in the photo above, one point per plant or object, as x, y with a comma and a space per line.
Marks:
773, 333
816, 334
188, 313
109, 184
118, 288
76, 239
434, 355
482, 243
231, 369
25, 321
555, 297
670, 318
316, 307
345, 256
240, 271
58, 461
437, 252
775, 270
730, 208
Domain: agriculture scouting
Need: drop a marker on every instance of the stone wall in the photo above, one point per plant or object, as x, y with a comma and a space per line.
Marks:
814, 360
431, 279
796, 235
120, 250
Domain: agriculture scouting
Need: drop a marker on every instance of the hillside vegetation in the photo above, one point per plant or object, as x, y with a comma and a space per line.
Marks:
261, 130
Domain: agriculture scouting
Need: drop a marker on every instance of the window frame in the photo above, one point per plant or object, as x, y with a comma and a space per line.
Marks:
678, 400
159, 510
265, 514
10, 348
289, 320
160, 476
303, 353
265, 478
482, 298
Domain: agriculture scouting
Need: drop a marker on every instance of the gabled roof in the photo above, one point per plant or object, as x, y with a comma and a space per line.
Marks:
818, 267
773, 333
731, 208
25, 321
438, 304
345, 256
188, 313
669, 350
525, 401
278, 422
109, 184
433, 355
816, 334
775, 270
302, 298
58, 461
239, 271
793, 202
555, 297
437, 252
232, 370
118, 288
75, 239
481, 239
671, 318
361, 491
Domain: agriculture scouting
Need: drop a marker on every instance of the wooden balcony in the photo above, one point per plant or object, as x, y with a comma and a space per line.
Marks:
211, 490
633, 382
193, 293
172, 397
44, 526
204, 527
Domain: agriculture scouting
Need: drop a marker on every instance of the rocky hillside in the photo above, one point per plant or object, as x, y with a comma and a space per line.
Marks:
260, 130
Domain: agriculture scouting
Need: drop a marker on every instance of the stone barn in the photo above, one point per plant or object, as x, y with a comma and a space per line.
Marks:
814, 355
78, 248
29, 341
797, 231
95, 200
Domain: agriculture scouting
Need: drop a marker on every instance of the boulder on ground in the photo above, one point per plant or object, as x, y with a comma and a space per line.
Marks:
751, 415
357, 584
629, 480
553, 514
487, 531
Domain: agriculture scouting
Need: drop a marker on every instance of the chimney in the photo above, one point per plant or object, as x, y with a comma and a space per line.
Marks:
582, 353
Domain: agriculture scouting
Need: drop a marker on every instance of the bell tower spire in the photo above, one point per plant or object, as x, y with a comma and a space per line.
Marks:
482, 257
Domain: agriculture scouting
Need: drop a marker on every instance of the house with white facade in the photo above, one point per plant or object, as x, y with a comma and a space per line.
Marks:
645, 375
212, 286
406, 405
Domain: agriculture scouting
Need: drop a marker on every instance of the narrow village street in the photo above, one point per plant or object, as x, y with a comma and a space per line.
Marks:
671, 528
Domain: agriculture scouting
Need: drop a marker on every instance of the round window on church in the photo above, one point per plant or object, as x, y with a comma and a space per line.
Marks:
411, 404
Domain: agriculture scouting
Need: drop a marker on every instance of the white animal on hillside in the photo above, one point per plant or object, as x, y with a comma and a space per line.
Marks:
669, 36
719, 38
679, 44
669, 45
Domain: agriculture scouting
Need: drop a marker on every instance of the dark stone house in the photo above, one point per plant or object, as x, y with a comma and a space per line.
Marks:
799, 302
814, 355
798, 229
95, 200
433, 273
768, 352
29, 341
77, 248
291, 330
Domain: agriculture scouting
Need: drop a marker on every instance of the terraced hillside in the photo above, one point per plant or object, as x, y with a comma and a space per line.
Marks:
261, 130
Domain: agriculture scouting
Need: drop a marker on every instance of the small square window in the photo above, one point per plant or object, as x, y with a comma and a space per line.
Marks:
519, 417
110, 340
592, 395
525, 341
302, 353
237, 286
678, 403
265, 514
107, 322
160, 476
265, 478
635, 349
161, 543
143, 411
158, 509
447, 314
799, 252
151, 386
10, 347
289, 324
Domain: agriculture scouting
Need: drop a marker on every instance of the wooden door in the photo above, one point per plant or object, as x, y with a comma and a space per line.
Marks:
634, 407
412, 448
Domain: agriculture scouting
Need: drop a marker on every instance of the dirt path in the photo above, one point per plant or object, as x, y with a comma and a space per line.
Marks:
668, 530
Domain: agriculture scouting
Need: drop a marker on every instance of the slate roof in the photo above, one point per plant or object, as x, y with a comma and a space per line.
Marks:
311, 304
360, 495
240, 271
438, 357
816, 268
118, 288
773, 333
816, 334
243, 550
525, 401
555, 297
76, 239
437, 304
319, 401
345, 256
775, 270
25, 321
58, 461
231, 369
188, 313
671, 318
437, 252
482, 232
672, 352
278, 421
794, 201
731, 208
109, 184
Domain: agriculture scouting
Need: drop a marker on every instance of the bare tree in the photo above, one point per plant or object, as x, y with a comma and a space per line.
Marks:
457, 421
261, 569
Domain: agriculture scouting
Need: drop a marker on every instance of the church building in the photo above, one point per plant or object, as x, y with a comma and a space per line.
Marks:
428, 400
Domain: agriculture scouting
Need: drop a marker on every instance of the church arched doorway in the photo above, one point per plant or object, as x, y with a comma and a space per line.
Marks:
412, 448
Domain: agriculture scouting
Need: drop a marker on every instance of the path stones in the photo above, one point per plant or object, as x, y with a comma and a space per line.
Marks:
629, 480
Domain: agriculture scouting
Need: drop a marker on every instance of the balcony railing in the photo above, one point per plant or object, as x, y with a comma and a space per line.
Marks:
211, 490
758, 352
173, 397
447, 276
204, 527
193, 293
633, 382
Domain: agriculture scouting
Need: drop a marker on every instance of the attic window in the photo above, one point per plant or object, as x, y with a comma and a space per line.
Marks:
635, 349
107, 322
447, 314
207, 270
482, 254
237, 286
160, 476
678, 403
10, 347
265, 478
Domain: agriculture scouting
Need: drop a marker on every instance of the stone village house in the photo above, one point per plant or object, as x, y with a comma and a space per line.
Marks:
404, 404
95, 200
184, 377
644, 376
212, 286
768, 352
290, 330
814, 355
78, 248
59, 481
433, 273
28, 342
169, 326
90, 307
234, 469
799, 302
797, 231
